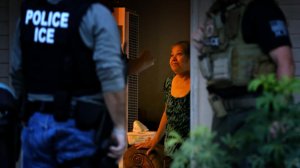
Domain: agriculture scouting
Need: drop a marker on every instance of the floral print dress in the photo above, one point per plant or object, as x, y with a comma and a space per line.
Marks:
178, 115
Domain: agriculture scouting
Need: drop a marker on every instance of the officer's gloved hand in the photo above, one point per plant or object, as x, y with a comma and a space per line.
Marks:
276, 129
117, 147
197, 38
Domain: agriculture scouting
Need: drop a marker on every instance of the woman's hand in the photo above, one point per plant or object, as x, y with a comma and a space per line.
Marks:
148, 144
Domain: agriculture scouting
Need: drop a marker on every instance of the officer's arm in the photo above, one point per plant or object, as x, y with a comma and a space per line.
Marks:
283, 57
115, 102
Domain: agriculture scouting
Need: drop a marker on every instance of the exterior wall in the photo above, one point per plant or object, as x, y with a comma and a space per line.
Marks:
291, 9
4, 41
9, 11
201, 112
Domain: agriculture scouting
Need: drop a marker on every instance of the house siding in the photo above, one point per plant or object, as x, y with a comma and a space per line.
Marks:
4, 41
291, 10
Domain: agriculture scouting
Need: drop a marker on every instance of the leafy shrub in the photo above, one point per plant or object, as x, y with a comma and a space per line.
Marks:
198, 150
270, 137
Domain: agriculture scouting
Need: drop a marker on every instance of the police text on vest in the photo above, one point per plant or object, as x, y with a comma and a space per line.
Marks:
45, 24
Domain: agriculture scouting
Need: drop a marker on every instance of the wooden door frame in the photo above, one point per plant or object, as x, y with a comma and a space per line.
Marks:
201, 113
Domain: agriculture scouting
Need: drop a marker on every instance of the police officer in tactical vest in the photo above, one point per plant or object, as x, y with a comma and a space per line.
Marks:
240, 40
67, 69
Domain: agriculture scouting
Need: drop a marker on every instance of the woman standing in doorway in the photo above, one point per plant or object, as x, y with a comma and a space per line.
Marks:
176, 115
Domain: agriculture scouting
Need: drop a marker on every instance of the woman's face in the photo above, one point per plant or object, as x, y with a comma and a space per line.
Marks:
179, 62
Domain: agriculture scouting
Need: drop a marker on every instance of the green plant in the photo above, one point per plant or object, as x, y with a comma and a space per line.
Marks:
198, 149
270, 137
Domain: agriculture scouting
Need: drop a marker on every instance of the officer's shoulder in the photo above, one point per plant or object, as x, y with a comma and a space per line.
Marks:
97, 7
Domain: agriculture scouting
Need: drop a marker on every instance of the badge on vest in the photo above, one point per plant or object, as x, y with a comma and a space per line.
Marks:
46, 23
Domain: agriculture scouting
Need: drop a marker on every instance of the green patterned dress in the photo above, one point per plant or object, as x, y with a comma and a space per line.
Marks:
178, 114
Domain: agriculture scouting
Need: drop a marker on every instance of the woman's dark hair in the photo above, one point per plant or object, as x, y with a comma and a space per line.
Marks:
185, 46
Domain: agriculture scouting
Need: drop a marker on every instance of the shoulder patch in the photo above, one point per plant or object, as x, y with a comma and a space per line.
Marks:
279, 28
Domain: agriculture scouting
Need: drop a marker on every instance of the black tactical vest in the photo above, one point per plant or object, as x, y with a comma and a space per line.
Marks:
54, 56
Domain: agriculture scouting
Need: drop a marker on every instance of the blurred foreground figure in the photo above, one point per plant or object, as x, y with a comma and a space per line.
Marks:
67, 70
